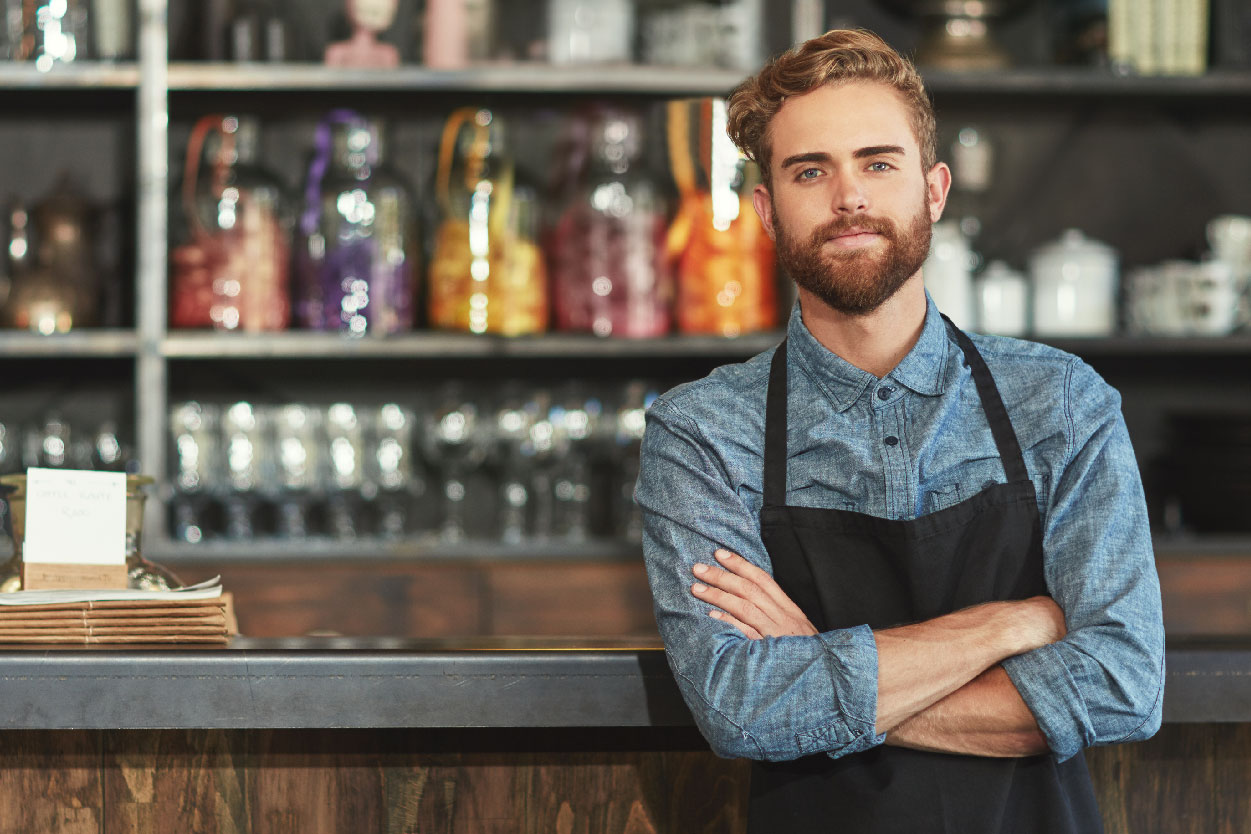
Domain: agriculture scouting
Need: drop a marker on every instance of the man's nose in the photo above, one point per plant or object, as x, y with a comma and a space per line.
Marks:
849, 195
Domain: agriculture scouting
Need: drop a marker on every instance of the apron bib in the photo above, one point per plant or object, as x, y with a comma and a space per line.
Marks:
845, 569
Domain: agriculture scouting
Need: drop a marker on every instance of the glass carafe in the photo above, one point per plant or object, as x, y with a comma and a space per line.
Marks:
610, 275
724, 258
232, 269
486, 275
357, 273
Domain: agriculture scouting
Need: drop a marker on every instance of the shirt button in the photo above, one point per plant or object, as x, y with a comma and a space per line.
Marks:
885, 392
891, 440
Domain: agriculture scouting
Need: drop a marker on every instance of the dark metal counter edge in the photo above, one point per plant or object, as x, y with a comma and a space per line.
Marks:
156, 689
236, 689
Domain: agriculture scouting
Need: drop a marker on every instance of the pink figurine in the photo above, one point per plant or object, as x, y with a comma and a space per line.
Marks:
363, 49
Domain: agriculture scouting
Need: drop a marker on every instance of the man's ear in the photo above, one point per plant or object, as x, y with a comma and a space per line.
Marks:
937, 184
764, 209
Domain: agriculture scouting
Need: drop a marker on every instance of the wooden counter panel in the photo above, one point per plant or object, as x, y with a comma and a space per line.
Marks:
371, 599
1189, 778
278, 782
583, 599
408, 599
52, 782
1208, 595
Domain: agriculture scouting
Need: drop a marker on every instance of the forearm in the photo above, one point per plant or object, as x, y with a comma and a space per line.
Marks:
985, 717
919, 665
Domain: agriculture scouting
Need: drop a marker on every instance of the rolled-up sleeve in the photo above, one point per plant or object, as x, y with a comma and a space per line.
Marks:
1104, 682
775, 698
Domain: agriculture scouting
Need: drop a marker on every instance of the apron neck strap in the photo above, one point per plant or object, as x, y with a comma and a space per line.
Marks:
775, 431
992, 404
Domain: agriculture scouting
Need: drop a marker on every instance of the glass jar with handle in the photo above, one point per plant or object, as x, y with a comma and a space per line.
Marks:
232, 269
357, 234
487, 275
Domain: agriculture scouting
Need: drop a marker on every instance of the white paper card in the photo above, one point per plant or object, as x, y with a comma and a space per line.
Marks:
75, 517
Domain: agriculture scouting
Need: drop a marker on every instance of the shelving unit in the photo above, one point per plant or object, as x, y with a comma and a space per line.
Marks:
83, 75
85, 344
154, 348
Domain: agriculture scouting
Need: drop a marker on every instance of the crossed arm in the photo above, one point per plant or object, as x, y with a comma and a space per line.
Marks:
940, 687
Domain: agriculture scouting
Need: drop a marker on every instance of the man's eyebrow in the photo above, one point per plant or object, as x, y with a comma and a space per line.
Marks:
860, 153
811, 156
879, 150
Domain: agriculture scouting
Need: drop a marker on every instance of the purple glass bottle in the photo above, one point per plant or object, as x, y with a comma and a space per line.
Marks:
356, 273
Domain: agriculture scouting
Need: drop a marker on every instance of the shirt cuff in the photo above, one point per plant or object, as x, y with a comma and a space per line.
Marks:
1052, 695
853, 653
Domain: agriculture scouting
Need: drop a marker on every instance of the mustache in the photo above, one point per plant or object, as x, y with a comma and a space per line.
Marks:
839, 225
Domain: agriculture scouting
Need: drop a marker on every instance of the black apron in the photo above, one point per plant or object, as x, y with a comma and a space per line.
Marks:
845, 569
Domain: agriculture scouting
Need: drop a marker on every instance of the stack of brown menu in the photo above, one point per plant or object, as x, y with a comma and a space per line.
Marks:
196, 614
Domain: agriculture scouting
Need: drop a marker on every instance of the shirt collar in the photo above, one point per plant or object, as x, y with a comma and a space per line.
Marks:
923, 370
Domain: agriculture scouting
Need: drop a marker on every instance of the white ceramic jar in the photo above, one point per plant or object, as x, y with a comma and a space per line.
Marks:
584, 32
948, 273
1075, 287
1002, 296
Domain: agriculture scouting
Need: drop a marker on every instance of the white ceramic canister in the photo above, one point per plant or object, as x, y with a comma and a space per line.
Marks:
1002, 296
1208, 296
948, 273
1075, 287
585, 32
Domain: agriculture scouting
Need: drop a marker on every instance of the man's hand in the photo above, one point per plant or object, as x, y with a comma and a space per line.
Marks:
747, 598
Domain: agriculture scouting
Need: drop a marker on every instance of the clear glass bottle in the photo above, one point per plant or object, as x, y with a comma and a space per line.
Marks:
48, 32
487, 275
357, 233
610, 272
232, 269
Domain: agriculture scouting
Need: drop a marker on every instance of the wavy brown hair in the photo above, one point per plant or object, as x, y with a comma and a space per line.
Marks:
837, 57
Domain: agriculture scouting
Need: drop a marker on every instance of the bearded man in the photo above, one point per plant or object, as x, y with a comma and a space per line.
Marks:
906, 569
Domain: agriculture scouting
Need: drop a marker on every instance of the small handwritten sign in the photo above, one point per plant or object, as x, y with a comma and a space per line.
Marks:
75, 517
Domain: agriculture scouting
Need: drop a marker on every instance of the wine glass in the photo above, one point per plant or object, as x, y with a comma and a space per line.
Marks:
344, 467
393, 468
630, 422
455, 444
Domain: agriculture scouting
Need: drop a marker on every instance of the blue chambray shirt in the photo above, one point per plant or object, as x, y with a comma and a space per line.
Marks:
700, 487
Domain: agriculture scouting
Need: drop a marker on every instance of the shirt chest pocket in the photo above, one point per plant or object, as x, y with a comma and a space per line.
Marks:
942, 497
813, 492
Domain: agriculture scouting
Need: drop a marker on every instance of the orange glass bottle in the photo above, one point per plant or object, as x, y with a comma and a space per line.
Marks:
724, 259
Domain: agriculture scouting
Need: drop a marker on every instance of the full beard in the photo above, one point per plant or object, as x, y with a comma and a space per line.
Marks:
859, 281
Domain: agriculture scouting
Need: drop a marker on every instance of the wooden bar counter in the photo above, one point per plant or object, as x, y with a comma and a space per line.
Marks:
486, 735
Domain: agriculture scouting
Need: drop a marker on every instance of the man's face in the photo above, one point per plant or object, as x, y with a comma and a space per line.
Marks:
849, 207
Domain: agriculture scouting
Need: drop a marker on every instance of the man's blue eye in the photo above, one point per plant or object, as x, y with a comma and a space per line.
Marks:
880, 166
804, 174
